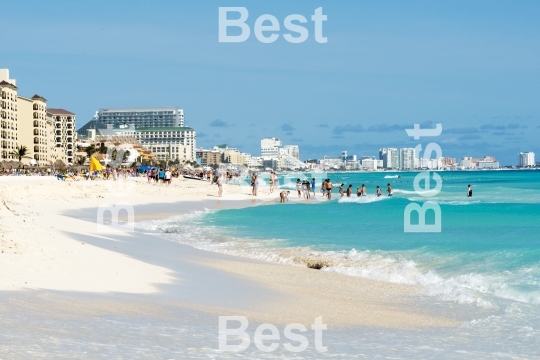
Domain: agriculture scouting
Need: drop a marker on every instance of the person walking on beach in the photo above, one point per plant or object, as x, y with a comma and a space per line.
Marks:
167, 177
379, 193
254, 184
284, 196
220, 186
469, 191
389, 189
271, 181
313, 186
349, 190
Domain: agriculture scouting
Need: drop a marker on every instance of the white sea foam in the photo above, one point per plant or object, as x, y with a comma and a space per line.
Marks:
470, 288
362, 199
391, 176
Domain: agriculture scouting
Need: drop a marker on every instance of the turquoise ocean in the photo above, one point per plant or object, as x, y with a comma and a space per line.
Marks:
485, 262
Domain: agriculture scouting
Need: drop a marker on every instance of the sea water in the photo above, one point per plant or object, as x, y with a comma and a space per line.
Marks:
486, 259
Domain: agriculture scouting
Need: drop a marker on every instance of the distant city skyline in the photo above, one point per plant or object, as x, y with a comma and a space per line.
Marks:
472, 66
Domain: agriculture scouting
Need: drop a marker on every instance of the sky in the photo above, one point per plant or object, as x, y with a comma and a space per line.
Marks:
473, 66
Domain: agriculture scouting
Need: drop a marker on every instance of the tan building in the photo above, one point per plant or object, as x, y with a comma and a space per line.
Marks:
8, 116
64, 133
28, 122
233, 156
209, 157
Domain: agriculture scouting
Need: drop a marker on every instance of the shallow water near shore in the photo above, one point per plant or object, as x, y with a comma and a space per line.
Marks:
486, 259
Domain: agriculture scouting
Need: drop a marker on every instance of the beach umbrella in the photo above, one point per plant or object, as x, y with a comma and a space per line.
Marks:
95, 164
59, 164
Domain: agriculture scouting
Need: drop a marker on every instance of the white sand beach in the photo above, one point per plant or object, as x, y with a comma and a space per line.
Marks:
54, 261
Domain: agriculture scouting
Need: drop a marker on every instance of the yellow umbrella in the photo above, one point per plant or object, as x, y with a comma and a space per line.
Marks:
95, 165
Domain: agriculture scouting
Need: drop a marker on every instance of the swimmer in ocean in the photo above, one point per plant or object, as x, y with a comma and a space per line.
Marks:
390, 191
379, 193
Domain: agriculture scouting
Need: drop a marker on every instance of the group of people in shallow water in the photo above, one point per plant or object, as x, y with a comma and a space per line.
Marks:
306, 188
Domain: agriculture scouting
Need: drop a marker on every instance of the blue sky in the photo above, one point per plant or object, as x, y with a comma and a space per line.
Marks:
473, 66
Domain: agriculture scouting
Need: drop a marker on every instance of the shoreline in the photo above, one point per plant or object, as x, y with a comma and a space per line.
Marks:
76, 259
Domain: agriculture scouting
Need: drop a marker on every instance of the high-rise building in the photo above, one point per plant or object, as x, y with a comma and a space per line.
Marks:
64, 125
168, 143
8, 116
406, 158
526, 159
27, 122
390, 158
270, 147
292, 150
139, 117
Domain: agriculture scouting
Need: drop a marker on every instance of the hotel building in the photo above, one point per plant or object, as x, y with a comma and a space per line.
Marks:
139, 117
270, 147
167, 143
27, 122
390, 158
406, 159
526, 159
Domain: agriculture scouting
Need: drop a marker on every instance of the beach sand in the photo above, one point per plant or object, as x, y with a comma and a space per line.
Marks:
52, 255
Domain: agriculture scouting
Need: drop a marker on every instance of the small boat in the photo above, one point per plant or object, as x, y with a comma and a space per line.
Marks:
192, 177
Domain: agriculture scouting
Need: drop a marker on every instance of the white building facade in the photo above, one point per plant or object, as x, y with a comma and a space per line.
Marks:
270, 148
390, 158
406, 158
526, 159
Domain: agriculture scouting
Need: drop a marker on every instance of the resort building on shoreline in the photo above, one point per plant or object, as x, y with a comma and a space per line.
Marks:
28, 122
64, 126
526, 159
138, 117
167, 143
406, 159
390, 158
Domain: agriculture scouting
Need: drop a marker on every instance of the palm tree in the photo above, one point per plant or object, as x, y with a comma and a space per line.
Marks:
126, 155
80, 160
20, 153
90, 150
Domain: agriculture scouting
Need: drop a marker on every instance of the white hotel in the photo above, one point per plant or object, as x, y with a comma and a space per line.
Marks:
167, 143
526, 159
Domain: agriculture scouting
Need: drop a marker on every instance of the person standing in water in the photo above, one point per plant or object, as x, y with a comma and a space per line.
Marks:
364, 191
329, 187
358, 191
469, 191
379, 193
299, 187
341, 190
389, 189
349, 190
313, 186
